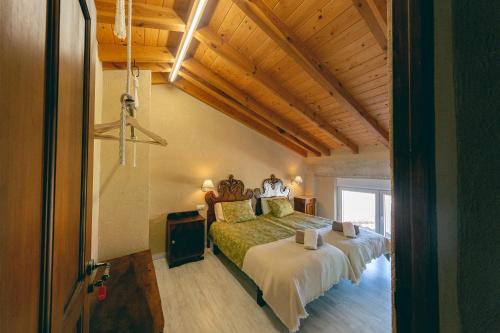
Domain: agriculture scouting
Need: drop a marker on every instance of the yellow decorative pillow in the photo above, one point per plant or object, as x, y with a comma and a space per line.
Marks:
280, 207
238, 211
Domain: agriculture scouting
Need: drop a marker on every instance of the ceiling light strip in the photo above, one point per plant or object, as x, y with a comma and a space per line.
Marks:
194, 20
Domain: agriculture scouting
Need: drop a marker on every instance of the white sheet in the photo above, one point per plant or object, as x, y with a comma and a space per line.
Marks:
367, 246
291, 276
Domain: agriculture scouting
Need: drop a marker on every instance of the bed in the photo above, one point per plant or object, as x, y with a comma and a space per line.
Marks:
287, 275
367, 246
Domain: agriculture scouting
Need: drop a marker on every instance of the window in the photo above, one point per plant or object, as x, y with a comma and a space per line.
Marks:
387, 204
366, 202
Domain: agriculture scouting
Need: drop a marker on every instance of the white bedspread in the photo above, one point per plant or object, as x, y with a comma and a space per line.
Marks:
291, 276
361, 250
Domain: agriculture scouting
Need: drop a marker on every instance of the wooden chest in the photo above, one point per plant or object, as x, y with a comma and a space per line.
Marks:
133, 302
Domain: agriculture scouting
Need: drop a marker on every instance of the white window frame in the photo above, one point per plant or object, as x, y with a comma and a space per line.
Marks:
382, 193
379, 187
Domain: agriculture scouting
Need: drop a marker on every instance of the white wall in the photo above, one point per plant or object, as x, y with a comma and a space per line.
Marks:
124, 191
324, 171
97, 161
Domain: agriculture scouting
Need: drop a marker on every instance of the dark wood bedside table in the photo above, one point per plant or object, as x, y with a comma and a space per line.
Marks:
305, 204
185, 239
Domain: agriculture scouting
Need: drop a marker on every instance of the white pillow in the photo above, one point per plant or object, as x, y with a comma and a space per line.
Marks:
219, 214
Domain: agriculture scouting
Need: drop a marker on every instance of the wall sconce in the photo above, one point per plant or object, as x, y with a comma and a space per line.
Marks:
208, 185
297, 180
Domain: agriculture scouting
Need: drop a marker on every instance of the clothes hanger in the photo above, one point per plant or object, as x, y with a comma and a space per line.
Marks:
101, 129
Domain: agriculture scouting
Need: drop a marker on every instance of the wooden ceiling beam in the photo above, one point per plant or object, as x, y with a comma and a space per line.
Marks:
215, 103
159, 78
118, 53
226, 99
228, 53
268, 22
371, 14
149, 19
220, 83
159, 67
143, 15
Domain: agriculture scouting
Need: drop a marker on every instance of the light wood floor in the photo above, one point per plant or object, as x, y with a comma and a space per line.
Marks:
213, 296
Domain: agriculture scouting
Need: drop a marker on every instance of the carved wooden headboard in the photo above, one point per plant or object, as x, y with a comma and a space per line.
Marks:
229, 190
271, 187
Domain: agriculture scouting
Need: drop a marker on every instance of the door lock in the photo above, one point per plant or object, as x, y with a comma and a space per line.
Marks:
91, 267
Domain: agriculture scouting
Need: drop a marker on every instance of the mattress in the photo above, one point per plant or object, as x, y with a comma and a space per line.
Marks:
368, 245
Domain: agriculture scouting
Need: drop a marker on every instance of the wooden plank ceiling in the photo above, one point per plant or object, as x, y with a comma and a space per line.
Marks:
309, 74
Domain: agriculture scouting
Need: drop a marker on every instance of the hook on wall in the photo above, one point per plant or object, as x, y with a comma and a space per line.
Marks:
135, 69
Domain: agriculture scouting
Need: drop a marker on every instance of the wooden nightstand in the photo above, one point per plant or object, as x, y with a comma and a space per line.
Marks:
185, 239
305, 204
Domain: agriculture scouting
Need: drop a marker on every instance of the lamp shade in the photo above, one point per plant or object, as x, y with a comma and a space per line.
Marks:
208, 185
298, 180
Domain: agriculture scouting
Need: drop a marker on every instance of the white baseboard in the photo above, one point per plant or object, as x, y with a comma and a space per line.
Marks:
159, 255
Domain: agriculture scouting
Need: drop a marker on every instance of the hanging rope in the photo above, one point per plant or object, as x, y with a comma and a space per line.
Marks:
119, 29
135, 75
126, 99
129, 46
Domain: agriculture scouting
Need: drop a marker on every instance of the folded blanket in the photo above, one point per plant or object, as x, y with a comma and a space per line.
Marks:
368, 245
338, 226
290, 277
299, 238
349, 231
311, 239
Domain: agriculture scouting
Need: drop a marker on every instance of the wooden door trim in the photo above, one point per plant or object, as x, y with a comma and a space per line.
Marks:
416, 280
85, 134
49, 162
49, 158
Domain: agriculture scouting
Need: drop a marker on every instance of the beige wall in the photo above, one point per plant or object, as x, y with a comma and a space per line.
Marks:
204, 143
323, 172
97, 161
124, 191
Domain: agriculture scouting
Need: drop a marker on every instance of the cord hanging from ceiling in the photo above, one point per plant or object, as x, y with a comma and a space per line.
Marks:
119, 29
128, 103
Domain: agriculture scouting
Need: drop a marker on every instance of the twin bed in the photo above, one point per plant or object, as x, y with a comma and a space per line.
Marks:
287, 275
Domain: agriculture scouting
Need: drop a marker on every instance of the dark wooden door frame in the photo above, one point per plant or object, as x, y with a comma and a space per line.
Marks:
416, 280
49, 160
49, 164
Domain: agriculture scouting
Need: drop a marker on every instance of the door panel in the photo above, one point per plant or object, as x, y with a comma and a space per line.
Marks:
69, 281
45, 88
22, 59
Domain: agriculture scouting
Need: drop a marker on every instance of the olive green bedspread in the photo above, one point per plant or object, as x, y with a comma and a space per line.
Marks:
299, 221
234, 239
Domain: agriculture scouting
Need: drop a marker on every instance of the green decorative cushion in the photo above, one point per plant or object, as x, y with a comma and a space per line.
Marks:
238, 211
280, 207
